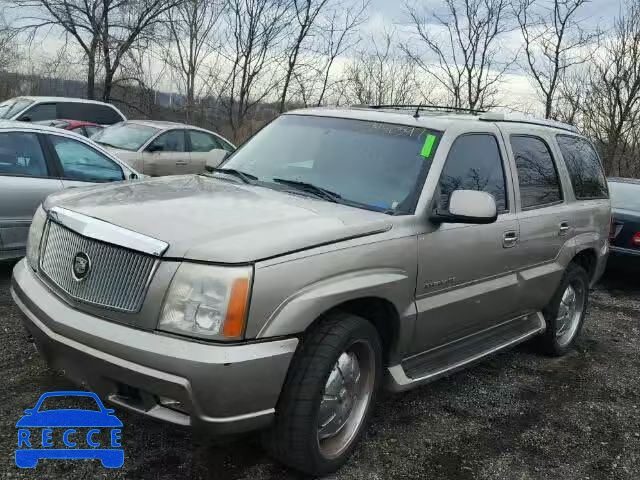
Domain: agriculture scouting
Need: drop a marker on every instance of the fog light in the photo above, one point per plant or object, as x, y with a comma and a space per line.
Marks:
172, 404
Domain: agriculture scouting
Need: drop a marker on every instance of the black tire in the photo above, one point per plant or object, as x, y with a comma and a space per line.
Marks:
293, 438
548, 343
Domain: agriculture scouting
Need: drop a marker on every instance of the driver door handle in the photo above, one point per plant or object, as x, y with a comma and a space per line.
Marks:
510, 239
564, 228
181, 162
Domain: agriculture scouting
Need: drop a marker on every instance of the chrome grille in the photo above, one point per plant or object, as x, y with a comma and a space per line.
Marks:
117, 279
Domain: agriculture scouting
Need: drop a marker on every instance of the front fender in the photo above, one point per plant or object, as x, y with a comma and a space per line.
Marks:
290, 295
301, 309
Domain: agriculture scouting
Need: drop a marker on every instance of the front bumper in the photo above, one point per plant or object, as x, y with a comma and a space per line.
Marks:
225, 389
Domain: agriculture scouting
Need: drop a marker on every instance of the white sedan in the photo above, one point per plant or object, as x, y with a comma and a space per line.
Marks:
164, 148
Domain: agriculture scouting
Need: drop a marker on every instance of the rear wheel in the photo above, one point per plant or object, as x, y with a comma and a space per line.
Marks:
566, 311
328, 397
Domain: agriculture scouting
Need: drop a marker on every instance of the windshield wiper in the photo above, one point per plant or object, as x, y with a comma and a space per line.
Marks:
310, 188
245, 177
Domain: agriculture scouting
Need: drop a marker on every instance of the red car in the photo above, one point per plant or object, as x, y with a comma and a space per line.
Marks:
83, 128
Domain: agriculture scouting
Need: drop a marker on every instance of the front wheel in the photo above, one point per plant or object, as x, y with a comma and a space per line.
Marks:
566, 311
328, 396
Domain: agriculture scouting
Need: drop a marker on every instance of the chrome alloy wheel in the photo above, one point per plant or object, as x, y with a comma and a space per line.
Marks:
345, 399
570, 312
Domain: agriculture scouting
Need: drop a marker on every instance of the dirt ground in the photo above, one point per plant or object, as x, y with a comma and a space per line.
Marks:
514, 416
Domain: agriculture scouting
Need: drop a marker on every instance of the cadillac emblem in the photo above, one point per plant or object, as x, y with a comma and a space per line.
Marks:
81, 266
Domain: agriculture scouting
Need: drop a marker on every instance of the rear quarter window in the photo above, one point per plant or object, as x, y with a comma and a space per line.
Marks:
89, 112
584, 166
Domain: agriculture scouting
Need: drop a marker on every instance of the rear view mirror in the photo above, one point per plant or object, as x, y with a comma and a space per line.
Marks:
468, 206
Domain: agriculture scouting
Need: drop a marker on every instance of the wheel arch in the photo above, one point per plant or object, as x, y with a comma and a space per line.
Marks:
587, 258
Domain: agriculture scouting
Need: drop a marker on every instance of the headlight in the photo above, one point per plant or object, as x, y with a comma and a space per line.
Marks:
207, 302
35, 237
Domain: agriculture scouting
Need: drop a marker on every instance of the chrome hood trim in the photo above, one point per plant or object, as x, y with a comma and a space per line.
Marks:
107, 232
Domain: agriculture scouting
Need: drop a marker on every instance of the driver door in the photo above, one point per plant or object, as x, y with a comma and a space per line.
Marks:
167, 155
467, 279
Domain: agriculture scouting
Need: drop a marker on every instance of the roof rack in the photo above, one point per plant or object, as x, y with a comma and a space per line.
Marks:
423, 107
519, 118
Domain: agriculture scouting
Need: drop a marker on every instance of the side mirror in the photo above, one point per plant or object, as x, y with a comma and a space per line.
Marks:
154, 148
29, 411
468, 206
214, 158
25, 119
133, 176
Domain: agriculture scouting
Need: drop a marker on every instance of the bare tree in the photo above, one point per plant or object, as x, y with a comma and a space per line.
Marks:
381, 75
306, 13
466, 60
554, 42
191, 26
314, 78
104, 29
611, 112
255, 31
9, 52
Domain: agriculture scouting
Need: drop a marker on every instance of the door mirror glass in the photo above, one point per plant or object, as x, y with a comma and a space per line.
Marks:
468, 206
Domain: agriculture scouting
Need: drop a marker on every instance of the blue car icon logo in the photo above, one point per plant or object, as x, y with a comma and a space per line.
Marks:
69, 433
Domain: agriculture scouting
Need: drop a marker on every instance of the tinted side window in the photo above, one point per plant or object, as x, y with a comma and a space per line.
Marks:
42, 111
202, 142
21, 154
474, 163
585, 169
88, 112
172, 141
537, 174
82, 163
105, 115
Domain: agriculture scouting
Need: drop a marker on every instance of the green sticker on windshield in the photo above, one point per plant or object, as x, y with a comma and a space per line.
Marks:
427, 148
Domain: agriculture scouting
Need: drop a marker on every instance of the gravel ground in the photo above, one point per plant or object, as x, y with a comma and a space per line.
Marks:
514, 416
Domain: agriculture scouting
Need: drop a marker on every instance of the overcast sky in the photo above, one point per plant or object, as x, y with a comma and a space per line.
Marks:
391, 15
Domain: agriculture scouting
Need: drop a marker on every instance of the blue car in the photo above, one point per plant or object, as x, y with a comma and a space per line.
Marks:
43, 421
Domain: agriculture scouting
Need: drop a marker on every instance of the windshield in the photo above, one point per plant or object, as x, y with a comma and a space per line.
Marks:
13, 106
371, 165
64, 402
625, 195
127, 136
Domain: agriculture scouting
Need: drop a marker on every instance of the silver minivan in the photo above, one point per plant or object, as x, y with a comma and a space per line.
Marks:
336, 253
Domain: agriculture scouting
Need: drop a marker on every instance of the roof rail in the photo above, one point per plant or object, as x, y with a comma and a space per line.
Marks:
423, 107
519, 118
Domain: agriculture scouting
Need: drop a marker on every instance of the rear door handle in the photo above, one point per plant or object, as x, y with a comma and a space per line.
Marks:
510, 239
564, 228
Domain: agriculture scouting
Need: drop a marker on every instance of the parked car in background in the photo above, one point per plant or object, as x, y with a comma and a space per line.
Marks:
625, 223
86, 129
164, 148
35, 109
339, 251
37, 160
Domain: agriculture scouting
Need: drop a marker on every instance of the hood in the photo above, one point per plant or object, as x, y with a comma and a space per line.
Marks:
207, 219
